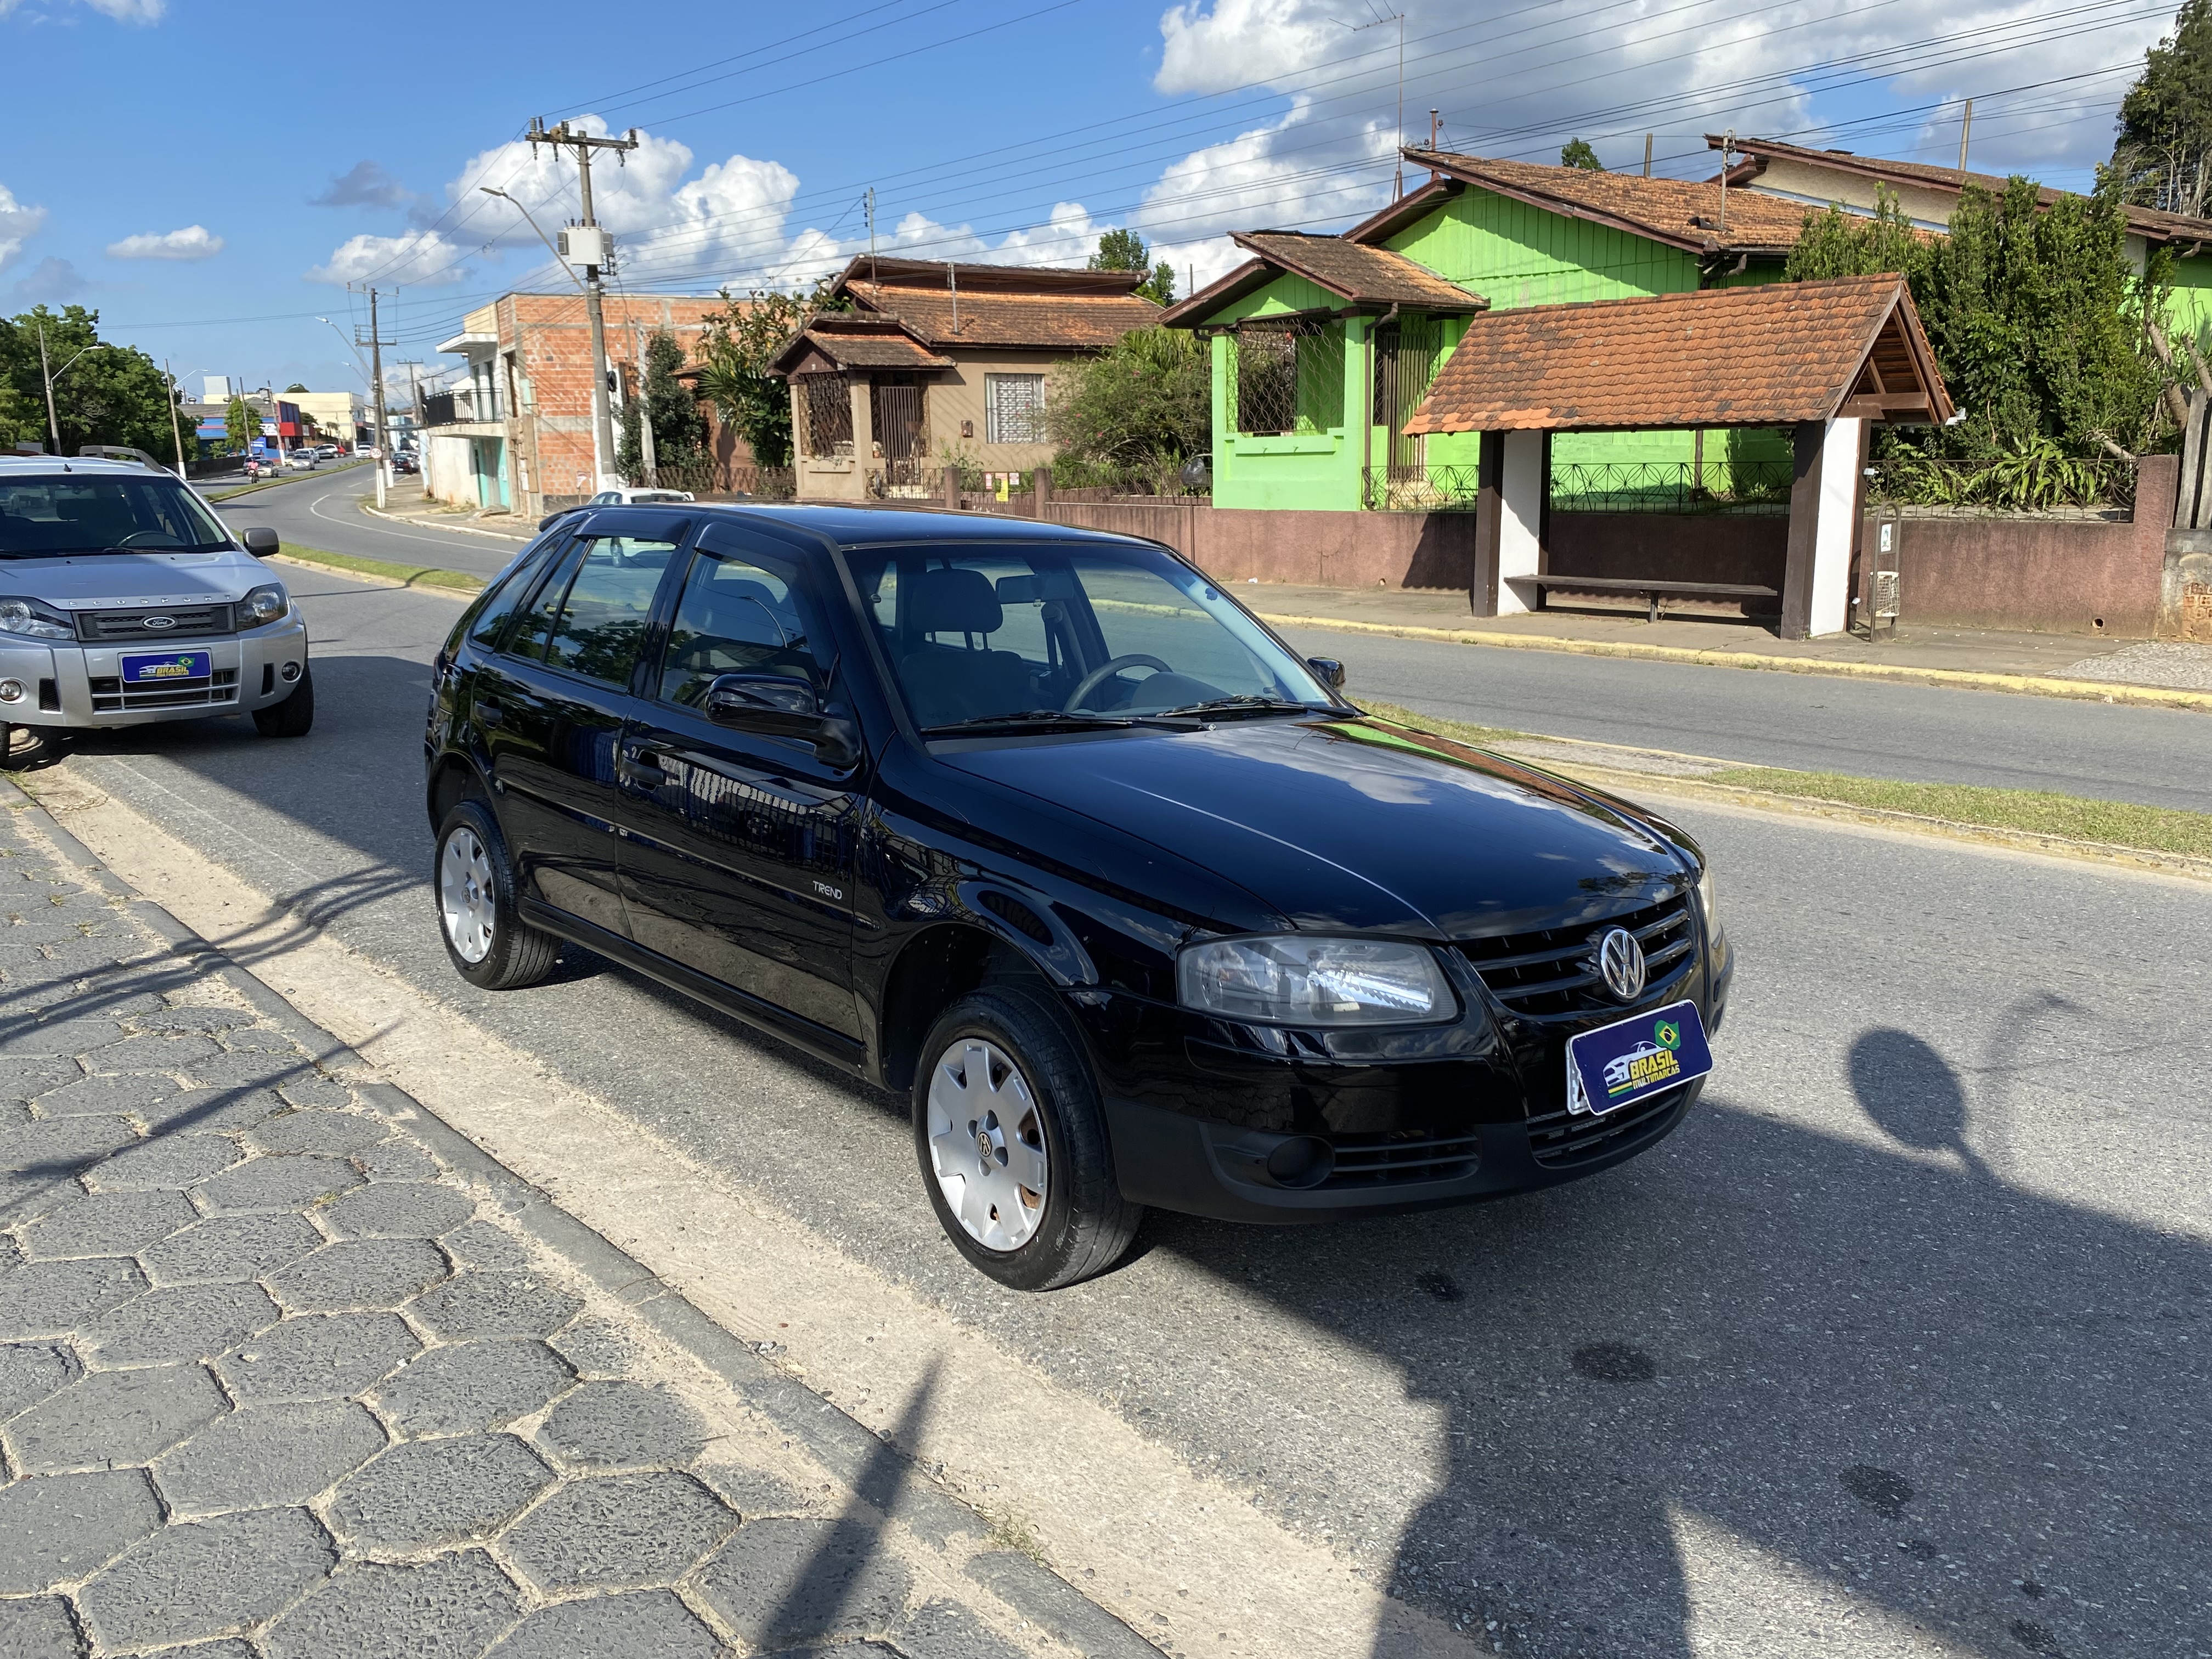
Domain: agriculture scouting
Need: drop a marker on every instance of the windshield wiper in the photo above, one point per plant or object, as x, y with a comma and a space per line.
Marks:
1045, 719
1244, 705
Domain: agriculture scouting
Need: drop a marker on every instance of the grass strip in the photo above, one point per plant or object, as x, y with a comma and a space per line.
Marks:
272, 483
2076, 817
407, 576
2033, 811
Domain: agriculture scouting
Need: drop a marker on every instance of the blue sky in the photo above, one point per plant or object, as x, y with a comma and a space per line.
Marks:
209, 183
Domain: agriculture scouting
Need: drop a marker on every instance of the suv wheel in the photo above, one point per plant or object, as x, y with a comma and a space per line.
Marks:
22, 747
295, 717
1014, 1145
489, 945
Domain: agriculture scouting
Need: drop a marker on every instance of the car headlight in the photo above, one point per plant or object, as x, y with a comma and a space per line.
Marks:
265, 603
1291, 979
34, 620
1706, 903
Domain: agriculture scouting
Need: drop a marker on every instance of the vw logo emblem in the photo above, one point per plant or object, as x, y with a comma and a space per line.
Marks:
1620, 964
157, 621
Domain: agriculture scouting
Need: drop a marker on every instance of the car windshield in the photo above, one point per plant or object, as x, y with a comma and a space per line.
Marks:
1089, 632
46, 513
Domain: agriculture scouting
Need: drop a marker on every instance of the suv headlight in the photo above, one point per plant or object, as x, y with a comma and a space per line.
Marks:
35, 620
265, 603
1706, 903
1292, 979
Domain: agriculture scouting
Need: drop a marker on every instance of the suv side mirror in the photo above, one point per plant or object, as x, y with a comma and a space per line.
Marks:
259, 539
1328, 670
778, 706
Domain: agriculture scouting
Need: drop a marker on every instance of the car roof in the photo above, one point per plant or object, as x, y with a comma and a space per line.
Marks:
877, 526
95, 464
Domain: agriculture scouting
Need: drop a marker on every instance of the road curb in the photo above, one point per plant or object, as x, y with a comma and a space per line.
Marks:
2039, 685
847, 1448
425, 524
379, 572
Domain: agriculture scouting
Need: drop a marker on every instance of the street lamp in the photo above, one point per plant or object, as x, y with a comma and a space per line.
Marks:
53, 425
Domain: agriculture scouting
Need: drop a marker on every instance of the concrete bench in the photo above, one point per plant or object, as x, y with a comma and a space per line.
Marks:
1653, 591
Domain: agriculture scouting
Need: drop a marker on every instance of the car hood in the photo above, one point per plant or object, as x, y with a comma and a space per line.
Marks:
1357, 822
90, 581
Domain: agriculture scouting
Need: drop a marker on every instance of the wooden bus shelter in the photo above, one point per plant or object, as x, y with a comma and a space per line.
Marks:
1826, 360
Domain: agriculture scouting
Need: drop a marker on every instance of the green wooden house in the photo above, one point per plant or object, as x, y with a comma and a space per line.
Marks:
1361, 335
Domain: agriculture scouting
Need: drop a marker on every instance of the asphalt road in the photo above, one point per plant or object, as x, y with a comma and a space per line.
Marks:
324, 510
1900, 1345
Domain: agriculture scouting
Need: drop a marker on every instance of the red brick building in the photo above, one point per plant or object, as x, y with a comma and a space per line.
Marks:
516, 433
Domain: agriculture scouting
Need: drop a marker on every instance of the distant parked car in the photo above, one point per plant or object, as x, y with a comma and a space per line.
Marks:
638, 497
328, 451
302, 461
404, 461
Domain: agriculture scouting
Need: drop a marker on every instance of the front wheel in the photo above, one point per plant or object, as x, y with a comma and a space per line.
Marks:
295, 717
22, 747
487, 943
1013, 1147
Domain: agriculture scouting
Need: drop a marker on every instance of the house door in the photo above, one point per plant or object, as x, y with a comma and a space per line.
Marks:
1405, 354
900, 435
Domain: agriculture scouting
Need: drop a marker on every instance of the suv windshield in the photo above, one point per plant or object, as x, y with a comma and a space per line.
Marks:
976, 634
46, 513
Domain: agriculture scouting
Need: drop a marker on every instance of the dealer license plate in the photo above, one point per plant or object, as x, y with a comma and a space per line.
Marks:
1636, 1058
167, 667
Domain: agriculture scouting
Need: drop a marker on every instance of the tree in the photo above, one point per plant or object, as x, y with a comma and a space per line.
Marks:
679, 431
1576, 153
294, 386
734, 353
2035, 315
1141, 408
242, 424
1124, 250
2164, 150
109, 394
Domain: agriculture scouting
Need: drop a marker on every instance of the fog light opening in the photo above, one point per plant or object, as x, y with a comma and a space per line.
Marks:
12, 691
290, 671
1301, 1161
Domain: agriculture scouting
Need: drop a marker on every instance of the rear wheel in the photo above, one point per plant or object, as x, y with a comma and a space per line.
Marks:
1013, 1144
295, 717
487, 943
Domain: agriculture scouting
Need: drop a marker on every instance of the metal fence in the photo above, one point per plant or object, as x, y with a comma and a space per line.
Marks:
734, 480
1753, 488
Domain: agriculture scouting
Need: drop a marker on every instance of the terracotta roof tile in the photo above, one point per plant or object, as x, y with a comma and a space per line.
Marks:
837, 342
1052, 322
1674, 210
1770, 355
1368, 275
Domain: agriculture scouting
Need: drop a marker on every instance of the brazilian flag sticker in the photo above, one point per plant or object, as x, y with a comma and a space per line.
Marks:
1668, 1033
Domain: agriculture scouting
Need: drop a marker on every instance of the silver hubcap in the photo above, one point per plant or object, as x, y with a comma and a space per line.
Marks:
464, 894
986, 1144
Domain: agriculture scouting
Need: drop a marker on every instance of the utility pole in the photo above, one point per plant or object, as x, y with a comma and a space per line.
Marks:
644, 408
1965, 131
376, 343
176, 430
871, 237
413, 366
589, 250
53, 426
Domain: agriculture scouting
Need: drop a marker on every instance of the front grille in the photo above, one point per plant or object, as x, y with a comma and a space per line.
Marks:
111, 696
1553, 974
191, 622
1401, 1155
1562, 1139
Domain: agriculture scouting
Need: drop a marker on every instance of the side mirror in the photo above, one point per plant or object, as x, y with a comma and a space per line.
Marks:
260, 540
1328, 670
778, 706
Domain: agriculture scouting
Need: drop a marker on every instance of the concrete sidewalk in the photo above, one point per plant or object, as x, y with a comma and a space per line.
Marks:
288, 1367
404, 501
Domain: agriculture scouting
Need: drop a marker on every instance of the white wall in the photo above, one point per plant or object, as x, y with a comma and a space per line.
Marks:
1832, 542
1522, 484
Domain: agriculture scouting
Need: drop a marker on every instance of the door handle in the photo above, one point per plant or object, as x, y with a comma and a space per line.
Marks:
642, 769
489, 713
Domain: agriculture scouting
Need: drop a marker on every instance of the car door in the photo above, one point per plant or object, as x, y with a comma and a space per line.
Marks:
553, 702
739, 857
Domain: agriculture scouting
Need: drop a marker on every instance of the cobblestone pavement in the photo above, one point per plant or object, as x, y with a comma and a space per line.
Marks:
282, 1372
2151, 662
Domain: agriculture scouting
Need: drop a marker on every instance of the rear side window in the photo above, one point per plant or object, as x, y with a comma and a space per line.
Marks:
500, 604
537, 624
602, 621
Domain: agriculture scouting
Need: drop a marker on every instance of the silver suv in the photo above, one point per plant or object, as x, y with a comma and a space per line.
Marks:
125, 601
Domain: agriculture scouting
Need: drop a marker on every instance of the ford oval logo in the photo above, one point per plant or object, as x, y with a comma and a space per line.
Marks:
157, 621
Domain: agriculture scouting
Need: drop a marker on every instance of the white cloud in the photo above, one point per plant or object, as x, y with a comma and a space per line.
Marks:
123, 11
51, 281
1240, 41
18, 224
192, 242
418, 259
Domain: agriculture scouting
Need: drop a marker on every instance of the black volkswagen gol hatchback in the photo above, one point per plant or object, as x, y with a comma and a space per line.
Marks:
1044, 828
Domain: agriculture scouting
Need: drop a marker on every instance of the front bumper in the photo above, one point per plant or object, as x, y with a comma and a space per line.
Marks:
1247, 1123
78, 687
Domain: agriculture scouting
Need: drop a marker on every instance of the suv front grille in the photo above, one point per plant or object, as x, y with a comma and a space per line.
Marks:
1553, 974
1401, 1155
1561, 1138
110, 696
191, 622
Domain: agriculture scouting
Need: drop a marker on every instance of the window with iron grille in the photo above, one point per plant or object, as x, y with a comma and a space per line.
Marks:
1406, 353
829, 409
1013, 409
1290, 374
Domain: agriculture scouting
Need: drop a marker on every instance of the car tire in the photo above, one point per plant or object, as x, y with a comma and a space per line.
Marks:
22, 747
472, 884
295, 717
1001, 1068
